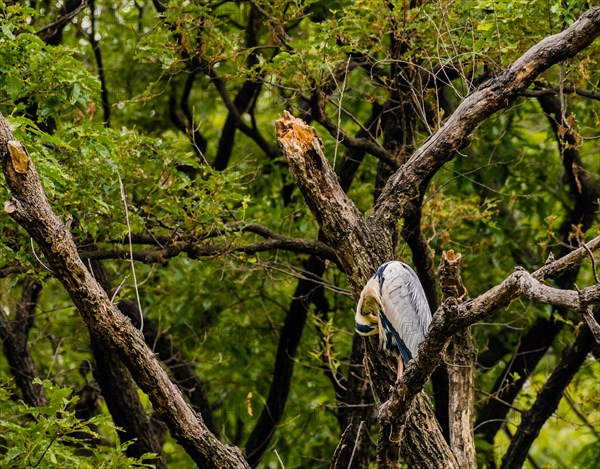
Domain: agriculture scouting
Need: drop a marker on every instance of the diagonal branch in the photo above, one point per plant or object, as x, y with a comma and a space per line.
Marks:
52, 33
30, 208
341, 222
547, 399
287, 349
495, 94
360, 143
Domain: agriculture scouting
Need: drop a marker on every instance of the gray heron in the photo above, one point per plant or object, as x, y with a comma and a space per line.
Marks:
393, 305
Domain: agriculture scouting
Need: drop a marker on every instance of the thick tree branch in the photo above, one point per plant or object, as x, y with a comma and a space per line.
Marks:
183, 371
592, 323
30, 208
120, 394
493, 95
356, 403
341, 222
423, 441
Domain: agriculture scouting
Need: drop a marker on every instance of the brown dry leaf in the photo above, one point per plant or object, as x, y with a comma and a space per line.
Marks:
575, 168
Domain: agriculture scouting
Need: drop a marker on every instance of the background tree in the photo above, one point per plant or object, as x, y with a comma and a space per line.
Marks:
160, 236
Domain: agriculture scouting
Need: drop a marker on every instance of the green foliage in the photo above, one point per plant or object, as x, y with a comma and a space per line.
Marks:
500, 202
52, 436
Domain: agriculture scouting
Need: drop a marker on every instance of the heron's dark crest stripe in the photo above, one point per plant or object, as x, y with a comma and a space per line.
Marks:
379, 275
393, 343
379, 272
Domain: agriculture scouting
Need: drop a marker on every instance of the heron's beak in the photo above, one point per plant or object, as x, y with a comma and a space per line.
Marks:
365, 329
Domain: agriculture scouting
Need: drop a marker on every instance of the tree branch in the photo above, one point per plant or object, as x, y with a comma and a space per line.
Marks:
12, 270
318, 113
52, 33
270, 150
197, 250
98, 56
341, 222
541, 335
547, 399
588, 315
495, 94
289, 339
245, 97
30, 208
566, 89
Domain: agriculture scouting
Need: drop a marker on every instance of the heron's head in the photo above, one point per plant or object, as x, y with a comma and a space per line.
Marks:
366, 320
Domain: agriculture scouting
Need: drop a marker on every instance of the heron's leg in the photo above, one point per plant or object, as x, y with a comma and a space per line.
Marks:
400, 368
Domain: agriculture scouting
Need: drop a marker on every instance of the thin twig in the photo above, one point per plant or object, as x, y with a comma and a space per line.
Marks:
355, 443
38, 259
594, 271
132, 263
339, 116
279, 459
61, 20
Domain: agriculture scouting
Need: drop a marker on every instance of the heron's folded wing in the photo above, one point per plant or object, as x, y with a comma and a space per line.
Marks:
405, 304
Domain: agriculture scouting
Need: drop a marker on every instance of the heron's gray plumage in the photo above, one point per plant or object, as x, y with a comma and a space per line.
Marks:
393, 304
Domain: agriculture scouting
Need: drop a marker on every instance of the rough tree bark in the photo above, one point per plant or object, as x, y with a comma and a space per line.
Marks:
337, 214
30, 208
121, 394
461, 355
182, 371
